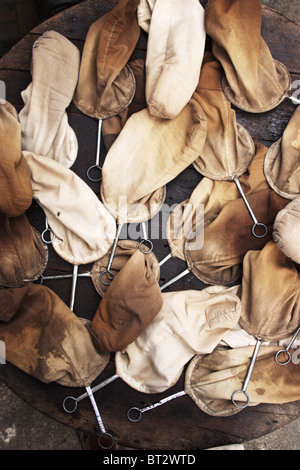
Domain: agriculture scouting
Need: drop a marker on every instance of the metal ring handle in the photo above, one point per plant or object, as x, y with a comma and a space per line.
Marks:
282, 363
65, 407
111, 438
259, 224
91, 168
134, 408
246, 395
106, 272
43, 236
141, 244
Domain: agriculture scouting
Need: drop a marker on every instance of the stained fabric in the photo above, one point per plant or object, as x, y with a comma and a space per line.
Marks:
44, 120
45, 339
286, 230
188, 323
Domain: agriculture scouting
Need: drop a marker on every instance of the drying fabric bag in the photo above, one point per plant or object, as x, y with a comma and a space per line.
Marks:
129, 305
23, 255
189, 322
174, 53
106, 83
84, 230
253, 80
124, 251
211, 379
44, 121
282, 162
148, 153
45, 339
208, 199
286, 230
16, 189
270, 294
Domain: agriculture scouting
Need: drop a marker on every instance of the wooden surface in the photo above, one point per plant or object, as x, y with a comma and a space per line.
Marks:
179, 424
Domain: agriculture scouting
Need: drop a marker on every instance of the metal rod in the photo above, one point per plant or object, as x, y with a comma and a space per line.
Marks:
151, 407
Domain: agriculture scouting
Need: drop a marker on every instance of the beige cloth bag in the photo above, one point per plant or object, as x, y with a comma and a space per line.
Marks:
286, 230
174, 53
44, 120
84, 230
129, 305
282, 162
45, 339
106, 83
253, 80
148, 153
189, 323
23, 255
16, 187
211, 379
229, 148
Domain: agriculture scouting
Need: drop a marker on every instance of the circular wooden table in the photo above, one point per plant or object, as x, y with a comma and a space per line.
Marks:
180, 424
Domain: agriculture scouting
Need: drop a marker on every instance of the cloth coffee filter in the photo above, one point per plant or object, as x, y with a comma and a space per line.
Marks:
148, 153
174, 53
208, 198
23, 255
45, 339
129, 305
15, 179
270, 294
229, 148
125, 249
210, 379
286, 230
44, 120
253, 80
189, 322
84, 230
106, 83
282, 162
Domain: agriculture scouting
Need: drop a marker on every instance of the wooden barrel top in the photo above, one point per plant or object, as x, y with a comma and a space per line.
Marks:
180, 424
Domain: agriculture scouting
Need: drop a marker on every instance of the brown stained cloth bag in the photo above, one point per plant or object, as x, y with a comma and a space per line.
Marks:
124, 251
211, 379
129, 305
106, 84
209, 198
84, 230
270, 294
44, 120
45, 339
148, 153
228, 238
23, 255
228, 148
15, 181
286, 230
282, 162
111, 127
253, 80
174, 53
189, 323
